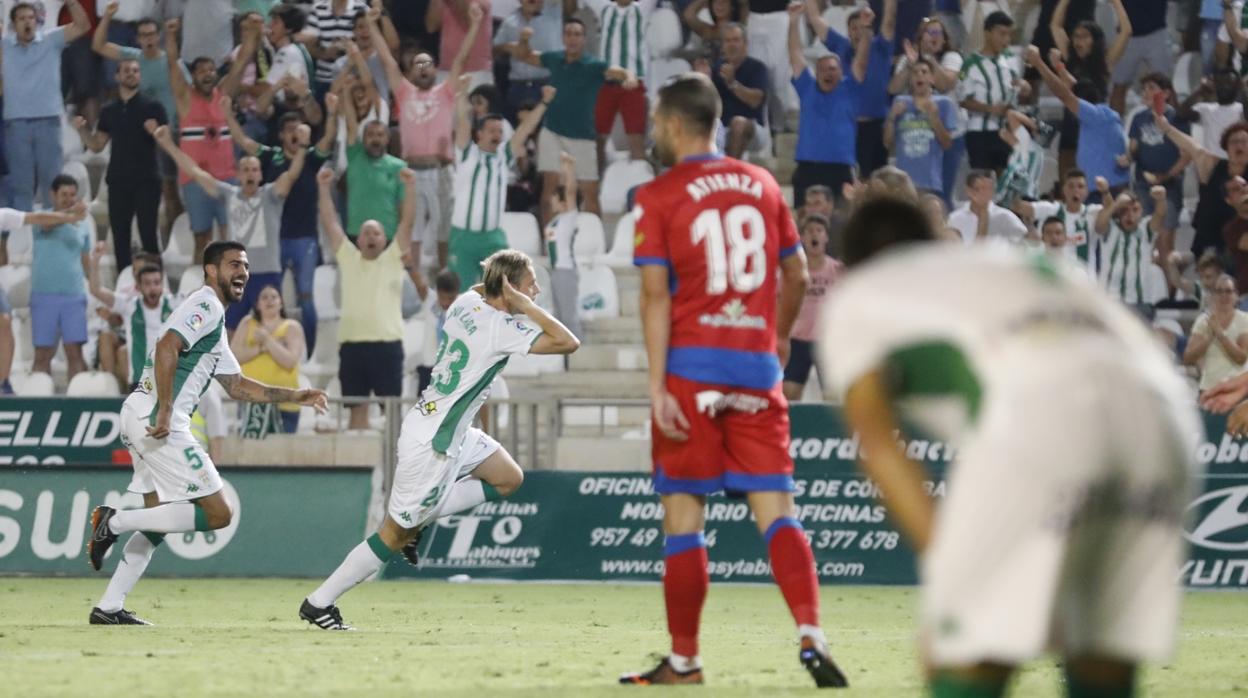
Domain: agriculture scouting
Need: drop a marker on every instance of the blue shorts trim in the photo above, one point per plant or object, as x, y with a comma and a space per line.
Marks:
782, 522
757, 370
647, 261
675, 545
670, 485
745, 482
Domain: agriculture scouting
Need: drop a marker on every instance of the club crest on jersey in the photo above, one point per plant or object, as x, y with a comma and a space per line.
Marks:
733, 315
195, 321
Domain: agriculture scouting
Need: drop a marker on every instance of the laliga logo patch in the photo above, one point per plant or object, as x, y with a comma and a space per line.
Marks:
1223, 524
195, 321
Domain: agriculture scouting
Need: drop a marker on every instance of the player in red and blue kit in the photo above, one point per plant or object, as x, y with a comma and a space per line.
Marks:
711, 233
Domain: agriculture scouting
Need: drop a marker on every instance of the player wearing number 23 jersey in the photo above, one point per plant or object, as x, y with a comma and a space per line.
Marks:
721, 227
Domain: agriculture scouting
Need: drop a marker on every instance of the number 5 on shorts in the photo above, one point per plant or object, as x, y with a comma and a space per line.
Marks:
193, 458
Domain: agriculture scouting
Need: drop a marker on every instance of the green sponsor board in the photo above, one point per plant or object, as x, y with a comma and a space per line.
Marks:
287, 522
607, 526
59, 431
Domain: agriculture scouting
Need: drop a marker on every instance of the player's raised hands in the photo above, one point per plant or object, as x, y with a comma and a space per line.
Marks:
331, 103
110, 10
408, 177
325, 177
80, 123
514, 298
795, 10
548, 93
475, 13
1157, 192
668, 417
303, 135
1033, 55
1102, 185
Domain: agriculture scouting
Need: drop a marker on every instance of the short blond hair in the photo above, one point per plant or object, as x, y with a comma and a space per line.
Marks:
509, 264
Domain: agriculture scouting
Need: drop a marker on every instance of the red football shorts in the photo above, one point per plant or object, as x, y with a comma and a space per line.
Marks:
614, 99
738, 441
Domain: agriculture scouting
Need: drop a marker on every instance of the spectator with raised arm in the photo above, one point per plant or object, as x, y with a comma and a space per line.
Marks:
370, 334
1101, 135
482, 160
1214, 172
1078, 218
373, 22
545, 18
569, 128
560, 235
1149, 45
11, 219
828, 127
154, 84
254, 210
203, 133
743, 83
1082, 56
330, 22
374, 189
1157, 160
1133, 243
60, 258
132, 176
426, 116
932, 43
300, 251
718, 13
622, 26
32, 100
451, 20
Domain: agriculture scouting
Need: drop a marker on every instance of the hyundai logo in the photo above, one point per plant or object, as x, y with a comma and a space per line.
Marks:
1223, 519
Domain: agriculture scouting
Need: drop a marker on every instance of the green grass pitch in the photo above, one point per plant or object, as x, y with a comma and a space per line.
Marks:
218, 637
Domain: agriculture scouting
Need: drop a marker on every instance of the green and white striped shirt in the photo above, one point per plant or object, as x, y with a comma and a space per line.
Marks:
622, 31
142, 325
990, 81
481, 187
1081, 237
1128, 256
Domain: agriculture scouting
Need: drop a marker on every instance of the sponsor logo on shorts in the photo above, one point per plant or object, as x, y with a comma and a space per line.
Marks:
1221, 519
712, 402
733, 315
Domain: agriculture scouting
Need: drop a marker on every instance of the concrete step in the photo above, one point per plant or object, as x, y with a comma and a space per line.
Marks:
581, 384
608, 357
620, 330
589, 420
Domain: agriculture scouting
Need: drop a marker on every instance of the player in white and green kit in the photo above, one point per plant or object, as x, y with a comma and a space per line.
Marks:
1075, 440
178, 480
445, 465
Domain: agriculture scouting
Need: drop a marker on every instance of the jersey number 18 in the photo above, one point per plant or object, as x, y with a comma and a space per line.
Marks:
735, 248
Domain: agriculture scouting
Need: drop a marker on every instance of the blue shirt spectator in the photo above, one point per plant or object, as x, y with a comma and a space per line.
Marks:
916, 147
1100, 143
875, 99
828, 127
32, 75
1153, 151
56, 259
546, 21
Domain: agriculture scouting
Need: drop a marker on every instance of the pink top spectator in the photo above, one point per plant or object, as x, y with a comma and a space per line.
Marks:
821, 280
425, 119
206, 138
453, 34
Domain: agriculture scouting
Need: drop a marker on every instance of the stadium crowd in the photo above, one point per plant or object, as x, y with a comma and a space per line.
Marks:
431, 123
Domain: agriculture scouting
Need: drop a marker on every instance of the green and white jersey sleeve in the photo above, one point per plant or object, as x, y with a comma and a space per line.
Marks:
200, 322
477, 341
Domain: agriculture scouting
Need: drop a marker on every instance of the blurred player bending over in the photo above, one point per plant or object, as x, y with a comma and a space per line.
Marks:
710, 234
445, 464
178, 480
1062, 523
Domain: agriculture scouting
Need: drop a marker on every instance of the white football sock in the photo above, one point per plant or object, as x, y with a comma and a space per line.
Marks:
135, 556
465, 495
166, 518
360, 564
813, 632
684, 664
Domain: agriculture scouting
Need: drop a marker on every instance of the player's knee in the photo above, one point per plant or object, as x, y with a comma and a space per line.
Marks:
509, 481
219, 517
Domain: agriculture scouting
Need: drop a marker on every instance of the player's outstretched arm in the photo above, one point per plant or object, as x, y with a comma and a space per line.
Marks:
867, 412
241, 387
555, 338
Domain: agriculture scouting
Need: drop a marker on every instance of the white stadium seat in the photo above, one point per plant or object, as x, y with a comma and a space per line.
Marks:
33, 384
522, 233
325, 292
618, 179
192, 279
661, 70
545, 299
590, 241
599, 294
15, 280
663, 33
322, 366
413, 342
621, 254
180, 252
93, 384
78, 171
